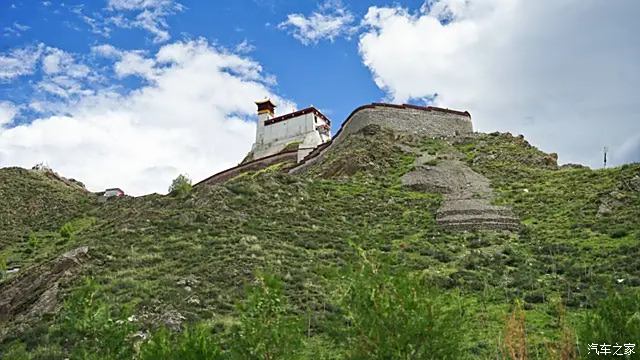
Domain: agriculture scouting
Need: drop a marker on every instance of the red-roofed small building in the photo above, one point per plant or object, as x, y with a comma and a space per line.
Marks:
114, 192
301, 130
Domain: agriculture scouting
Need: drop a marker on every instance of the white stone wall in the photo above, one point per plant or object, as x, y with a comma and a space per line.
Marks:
273, 138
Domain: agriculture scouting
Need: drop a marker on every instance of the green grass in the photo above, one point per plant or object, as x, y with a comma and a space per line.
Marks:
195, 255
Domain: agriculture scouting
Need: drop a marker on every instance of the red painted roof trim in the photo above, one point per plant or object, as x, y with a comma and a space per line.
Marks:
296, 114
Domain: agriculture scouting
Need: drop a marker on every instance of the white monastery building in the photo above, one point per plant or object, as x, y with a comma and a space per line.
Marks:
300, 131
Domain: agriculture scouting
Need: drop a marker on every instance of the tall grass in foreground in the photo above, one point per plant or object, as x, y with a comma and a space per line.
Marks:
384, 314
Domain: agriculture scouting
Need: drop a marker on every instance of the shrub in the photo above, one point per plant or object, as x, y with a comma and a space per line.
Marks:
16, 351
614, 320
618, 233
266, 330
33, 241
66, 231
394, 316
193, 343
93, 331
181, 186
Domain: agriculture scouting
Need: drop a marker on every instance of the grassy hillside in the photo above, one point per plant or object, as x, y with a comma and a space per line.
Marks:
342, 238
33, 201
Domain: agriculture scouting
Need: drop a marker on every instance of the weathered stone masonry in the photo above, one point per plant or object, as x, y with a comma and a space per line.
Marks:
424, 121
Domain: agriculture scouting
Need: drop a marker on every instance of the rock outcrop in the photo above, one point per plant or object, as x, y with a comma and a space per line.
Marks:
34, 292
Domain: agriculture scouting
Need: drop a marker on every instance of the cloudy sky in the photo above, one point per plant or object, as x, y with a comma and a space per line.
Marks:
131, 93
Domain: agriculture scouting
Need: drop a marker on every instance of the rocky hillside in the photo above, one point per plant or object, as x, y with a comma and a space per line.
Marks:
476, 226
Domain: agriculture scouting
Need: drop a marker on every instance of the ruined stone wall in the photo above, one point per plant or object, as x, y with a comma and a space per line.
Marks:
414, 120
423, 121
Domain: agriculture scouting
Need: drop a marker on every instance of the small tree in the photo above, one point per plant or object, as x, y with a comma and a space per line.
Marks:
180, 186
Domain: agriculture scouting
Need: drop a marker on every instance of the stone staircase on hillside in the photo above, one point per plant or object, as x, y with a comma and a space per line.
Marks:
474, 214
467, 194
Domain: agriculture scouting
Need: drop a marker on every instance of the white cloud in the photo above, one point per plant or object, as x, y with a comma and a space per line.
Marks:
563, 73
7, 111
133, 63
21, 27
244, 47
57, 61
97, 23
330, 21
193, 117
139, 4
64, 76
106, 50
150, 15
16, 29
18, 62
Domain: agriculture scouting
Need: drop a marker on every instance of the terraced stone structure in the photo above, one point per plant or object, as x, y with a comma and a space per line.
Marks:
467, 194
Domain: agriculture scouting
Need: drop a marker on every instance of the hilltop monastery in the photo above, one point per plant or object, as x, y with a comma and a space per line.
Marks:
302, 137
301, 130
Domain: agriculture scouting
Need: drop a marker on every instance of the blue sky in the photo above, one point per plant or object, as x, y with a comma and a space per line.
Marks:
131, 93
305, 74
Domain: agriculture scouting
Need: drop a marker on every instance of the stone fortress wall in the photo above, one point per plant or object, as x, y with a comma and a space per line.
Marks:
425, 121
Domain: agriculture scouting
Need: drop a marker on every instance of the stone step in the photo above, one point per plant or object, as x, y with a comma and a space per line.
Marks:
473, 217
485, 225
477, 211
477, 220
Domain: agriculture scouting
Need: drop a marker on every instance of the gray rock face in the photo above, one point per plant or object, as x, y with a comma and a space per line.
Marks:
467, 195
34, 291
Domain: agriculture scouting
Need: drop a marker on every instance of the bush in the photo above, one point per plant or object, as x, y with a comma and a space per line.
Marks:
66, 231
16, 351
266, 330
618, 232
394, 316
33, 241
193, 343
615, 319
181, 186
91, 329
